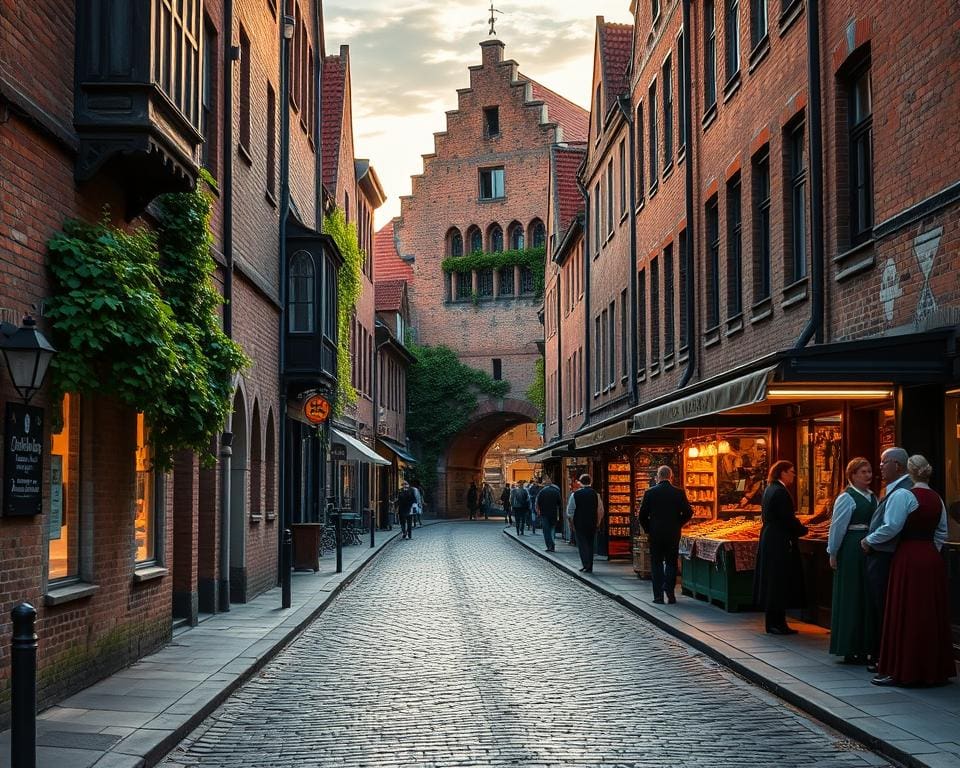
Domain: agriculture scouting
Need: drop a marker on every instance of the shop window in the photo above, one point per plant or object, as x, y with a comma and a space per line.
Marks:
491, 183
820, 465
64, 511
301, 299
145, 522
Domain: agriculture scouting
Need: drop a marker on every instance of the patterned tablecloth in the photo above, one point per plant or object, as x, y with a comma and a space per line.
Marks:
703, 548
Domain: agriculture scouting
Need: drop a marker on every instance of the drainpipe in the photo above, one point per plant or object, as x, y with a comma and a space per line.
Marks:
559, 361
814, 326
317, 113
623, 102
230, 55
588, 257
689, 282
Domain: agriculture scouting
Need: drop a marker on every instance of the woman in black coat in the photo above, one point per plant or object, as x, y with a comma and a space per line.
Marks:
778, 581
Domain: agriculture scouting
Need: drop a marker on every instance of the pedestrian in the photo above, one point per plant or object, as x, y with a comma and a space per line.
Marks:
533, 488
854, 627
472, 500
520, 504
664, 510
486, 501
778, 579
416, 513
916, 647
505, 503
405, 501
549, 501
879, 554
585, 510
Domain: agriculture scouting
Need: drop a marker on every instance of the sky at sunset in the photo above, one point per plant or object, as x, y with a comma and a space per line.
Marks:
408, 58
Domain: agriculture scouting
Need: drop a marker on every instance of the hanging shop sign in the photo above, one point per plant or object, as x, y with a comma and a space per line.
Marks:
23, 460
316, 409
338, 452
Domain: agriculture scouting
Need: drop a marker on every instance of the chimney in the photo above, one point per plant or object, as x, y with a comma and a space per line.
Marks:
492, 51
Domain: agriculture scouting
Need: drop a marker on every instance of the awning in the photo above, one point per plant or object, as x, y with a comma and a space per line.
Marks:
551, 451
746, 390
605, 434
356, 450
398, 449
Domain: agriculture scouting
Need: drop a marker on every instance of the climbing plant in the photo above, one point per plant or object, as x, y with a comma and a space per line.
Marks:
531, 258
349, 286
134, 316
537, 392
442, 392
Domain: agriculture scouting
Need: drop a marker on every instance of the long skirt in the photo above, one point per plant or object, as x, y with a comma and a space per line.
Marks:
854, 624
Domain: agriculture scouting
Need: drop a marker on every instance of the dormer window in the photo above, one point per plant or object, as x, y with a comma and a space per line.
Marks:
491, 122
301, 299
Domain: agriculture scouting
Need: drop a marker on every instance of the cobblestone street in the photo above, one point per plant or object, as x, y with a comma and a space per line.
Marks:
458, 648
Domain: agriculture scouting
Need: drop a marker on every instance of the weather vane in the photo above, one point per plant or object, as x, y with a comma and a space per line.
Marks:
493, 18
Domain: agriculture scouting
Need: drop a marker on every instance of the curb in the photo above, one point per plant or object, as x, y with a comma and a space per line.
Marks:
803, 703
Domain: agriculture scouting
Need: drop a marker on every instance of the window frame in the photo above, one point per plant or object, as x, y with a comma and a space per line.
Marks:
709, 55
762, 233
860, 157
653, 150
734, 206
712, 261
666, 74
488, 124
669, 328
731, 49
306, 282
638, 132
759, 22
796, 187
496, 172
655, 347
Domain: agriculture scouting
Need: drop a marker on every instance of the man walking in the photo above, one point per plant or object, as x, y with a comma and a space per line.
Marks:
549, 501
405, 501
585, 510
520, 504
879, 554
663, 512
472, 500
505, 502
533, 488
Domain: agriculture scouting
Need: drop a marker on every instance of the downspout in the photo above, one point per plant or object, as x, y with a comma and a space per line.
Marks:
814, 326
623, 102
588, 256
317, 115
559, 360
689, 282
226, 438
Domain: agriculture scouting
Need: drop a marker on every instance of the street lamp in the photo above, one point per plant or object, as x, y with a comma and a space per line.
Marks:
27, 354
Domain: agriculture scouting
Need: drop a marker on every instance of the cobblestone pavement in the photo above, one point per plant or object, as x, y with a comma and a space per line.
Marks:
457, 648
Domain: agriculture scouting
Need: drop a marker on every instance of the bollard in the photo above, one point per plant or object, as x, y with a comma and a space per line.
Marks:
23, 685
372, 526
339, 527
286, 566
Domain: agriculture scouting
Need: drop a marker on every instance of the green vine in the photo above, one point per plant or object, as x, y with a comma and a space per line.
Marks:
134, 316
537, 391
349, 286
442, 393
532, 258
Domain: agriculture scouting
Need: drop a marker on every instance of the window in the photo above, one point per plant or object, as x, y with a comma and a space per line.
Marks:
709, 55
668, 288
642, 320
684, 306
301, 287
271, 141
464, 288
244, 91
485, 283
496, 239
491, 183
295, 63
761, 225
713, 263
681, 104
516, 237
652, 107
599, 112
654, 312
610, 197
526, 281
505, 276
758, 21
732, 37
597, 356
497, 369
667, 115
539, 236
734, 249
208, 114
796, 162
623, 333
476, 240
860, 121
638, 132
145, 520
597, 225
63, 540
491, 121
612, 344
623, 177
177, 62
455, 242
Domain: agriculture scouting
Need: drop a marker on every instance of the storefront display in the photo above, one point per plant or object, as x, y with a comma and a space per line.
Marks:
646, 461
618, 505
819, 465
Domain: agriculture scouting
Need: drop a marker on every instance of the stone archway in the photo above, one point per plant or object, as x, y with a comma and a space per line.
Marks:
463, 460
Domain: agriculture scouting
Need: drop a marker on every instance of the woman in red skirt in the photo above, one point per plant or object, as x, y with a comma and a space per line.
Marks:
916, 647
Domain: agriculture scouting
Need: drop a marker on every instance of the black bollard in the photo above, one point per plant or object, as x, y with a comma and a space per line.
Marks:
23, 685
286, 566
372, 526
339, 528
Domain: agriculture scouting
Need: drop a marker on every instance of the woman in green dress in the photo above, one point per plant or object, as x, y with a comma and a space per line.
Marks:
854, 622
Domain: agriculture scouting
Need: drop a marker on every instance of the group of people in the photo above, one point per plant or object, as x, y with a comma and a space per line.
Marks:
479, 500
890, 596
409, 508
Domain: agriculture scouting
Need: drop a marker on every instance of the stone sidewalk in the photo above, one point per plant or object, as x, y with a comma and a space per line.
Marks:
134, 717
914, 726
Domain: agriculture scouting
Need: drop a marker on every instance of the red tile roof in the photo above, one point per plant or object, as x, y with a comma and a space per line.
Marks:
574, 120
567, 200
616, 47
387, 264
389, 296
331, 129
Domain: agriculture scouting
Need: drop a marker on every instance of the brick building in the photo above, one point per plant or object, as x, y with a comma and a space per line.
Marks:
796, 253
483, 191
138, 550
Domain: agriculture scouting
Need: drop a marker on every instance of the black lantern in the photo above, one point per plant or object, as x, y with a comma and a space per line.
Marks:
27, 354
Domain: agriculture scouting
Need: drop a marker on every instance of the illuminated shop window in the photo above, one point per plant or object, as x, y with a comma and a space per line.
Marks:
145, 524
63, 517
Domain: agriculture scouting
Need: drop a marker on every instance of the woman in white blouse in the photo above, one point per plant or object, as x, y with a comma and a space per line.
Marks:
854, 625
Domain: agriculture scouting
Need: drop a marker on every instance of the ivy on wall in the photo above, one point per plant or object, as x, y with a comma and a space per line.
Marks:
135, 316
349, 287
531, 258
537, 391
442, 393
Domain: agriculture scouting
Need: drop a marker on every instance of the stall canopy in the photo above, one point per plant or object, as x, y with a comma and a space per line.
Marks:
402, 453
748, 389
603, 435
356, 450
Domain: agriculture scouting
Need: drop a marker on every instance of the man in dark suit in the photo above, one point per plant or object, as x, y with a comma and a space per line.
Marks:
663, 512
585, 511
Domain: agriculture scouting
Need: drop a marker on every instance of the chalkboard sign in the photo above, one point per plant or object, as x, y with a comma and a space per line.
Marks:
338, 452
23, 460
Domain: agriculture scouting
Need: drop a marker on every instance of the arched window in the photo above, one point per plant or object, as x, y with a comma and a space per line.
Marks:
255, 506
269, 481
516, 236
454, 242
538, 233
496, 239
302, 295
475, 240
